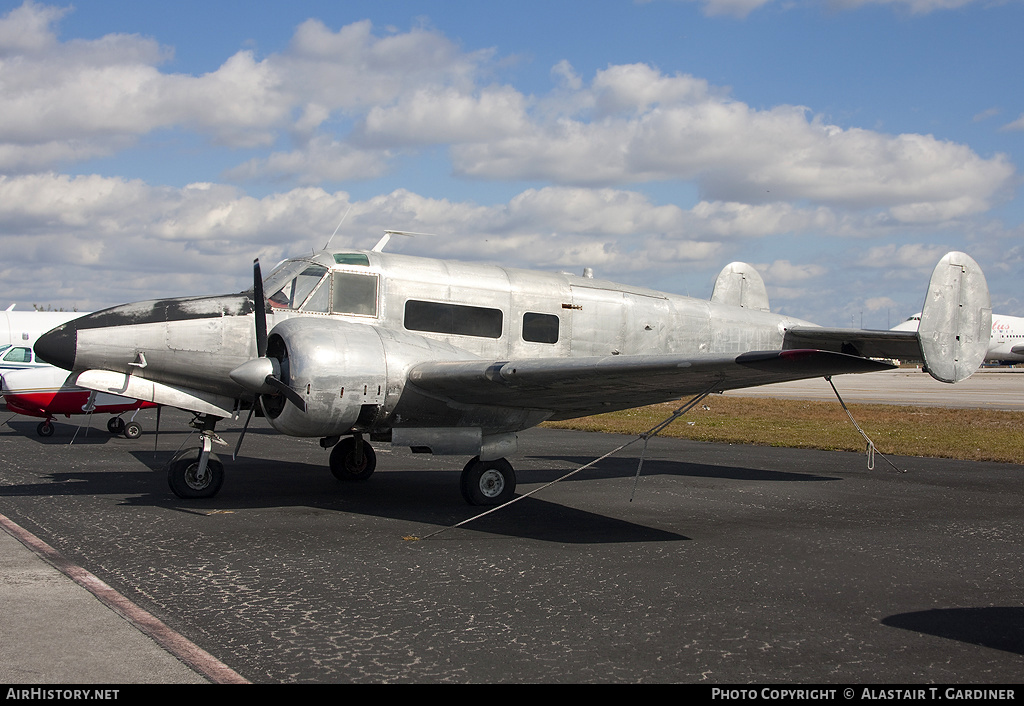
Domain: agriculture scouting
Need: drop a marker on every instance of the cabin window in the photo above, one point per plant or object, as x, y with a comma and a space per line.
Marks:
540, 328
354, 294
454, 319
295, 291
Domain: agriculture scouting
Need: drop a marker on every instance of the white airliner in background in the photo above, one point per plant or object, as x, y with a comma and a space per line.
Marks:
20, 329
1007, 344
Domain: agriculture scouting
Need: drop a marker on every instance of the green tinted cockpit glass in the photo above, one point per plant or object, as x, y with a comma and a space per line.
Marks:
351, 258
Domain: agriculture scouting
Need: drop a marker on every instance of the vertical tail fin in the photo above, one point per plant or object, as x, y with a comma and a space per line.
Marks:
739, 284
956, 319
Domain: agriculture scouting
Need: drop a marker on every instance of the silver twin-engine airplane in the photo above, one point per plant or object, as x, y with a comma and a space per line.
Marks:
456, 358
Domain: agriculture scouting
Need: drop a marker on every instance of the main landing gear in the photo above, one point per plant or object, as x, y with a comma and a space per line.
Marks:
482, 482
353, 458
131, 430
198, 473
488, 482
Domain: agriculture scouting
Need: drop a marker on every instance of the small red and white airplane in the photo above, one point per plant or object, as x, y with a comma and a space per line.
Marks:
48, 391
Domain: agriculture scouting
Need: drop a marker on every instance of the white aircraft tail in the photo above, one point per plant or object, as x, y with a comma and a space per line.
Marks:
956, 319
739, 284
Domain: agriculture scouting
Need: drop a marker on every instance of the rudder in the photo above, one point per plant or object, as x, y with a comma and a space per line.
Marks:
956, 319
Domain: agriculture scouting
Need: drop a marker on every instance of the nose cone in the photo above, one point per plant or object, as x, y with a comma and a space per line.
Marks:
58, 347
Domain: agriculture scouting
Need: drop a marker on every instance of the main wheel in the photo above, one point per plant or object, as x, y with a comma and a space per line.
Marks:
353, 459
115, 425
132, 430
488, 482
45, 428
184, 479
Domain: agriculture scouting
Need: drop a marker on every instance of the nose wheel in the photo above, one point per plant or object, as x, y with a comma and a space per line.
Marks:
189, 479
488, 482
197, 473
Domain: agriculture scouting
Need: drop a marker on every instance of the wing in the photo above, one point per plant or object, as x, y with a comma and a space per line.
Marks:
576, 387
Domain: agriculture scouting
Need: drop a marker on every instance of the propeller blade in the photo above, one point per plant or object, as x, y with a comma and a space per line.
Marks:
261, 309
241, 436
156, 437
294, 397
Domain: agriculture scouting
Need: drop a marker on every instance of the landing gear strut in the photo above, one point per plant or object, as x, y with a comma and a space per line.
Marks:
188, 481
197, 473
488, 482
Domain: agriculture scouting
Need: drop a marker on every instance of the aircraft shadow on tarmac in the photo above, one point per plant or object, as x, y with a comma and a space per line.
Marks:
622, 466
427, 496
1001, 628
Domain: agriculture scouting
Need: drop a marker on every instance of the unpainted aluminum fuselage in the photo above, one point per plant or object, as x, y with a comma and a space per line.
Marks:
347, 319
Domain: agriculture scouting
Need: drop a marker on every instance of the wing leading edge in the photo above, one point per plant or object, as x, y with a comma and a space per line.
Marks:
577, 387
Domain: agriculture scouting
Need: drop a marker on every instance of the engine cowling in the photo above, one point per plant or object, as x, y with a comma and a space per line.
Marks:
337, 367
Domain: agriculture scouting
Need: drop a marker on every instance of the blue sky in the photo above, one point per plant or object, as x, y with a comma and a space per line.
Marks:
154, 149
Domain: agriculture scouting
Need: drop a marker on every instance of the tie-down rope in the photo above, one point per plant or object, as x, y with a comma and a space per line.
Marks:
653, 431
870, 451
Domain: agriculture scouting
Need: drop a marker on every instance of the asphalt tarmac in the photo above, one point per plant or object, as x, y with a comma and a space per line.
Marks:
721, 564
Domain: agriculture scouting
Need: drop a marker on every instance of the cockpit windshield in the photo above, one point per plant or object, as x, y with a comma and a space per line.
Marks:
290, 284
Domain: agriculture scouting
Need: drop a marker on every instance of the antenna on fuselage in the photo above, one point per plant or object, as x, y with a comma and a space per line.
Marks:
379, 247
338, 228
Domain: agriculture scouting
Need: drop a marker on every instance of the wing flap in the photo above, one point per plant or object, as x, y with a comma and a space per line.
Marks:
580, 386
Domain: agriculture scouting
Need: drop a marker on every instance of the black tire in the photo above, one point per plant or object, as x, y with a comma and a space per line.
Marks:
181, 476
132, 430
45, 429
488, 482
115, 425
344, 464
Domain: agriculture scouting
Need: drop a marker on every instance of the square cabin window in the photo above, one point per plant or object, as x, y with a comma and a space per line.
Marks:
354, 294
540, 328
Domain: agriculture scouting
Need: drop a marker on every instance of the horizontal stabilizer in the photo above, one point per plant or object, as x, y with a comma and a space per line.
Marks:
951, 341
902, 345
739, 284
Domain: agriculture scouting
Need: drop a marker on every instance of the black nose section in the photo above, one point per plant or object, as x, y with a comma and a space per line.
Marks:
58, 347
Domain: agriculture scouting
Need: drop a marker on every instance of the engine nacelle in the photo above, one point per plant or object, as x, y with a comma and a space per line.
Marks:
339, 369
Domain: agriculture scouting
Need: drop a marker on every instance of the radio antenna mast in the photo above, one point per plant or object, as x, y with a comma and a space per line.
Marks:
338, 228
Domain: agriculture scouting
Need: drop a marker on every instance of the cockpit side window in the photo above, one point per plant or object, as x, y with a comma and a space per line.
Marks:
354, 294
295, 290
